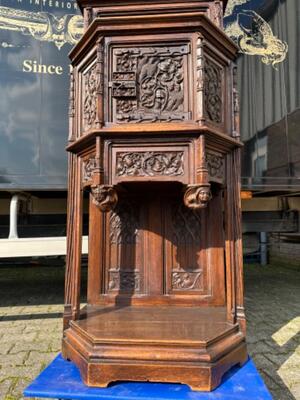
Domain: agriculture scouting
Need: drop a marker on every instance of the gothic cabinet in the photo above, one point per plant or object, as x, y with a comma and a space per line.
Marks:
154, 140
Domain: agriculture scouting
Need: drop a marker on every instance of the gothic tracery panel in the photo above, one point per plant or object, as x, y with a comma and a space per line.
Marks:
213, 91
184, 261
124, 273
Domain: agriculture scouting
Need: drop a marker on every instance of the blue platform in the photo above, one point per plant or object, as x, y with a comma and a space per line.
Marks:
61, 380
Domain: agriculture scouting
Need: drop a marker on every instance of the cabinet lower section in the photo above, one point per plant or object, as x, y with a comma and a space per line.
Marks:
165, 344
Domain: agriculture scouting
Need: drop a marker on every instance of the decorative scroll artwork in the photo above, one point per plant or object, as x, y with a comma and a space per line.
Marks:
148, 84
252, 33
150, 163
43, 26
213, 76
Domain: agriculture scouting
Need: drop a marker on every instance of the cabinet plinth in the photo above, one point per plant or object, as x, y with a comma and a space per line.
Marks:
154, 143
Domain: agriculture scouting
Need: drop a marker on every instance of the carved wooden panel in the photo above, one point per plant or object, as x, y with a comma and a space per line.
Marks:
185, 269
124, 253
89, 165
213, 91
90, 81
149, 83
216, 167
151, 162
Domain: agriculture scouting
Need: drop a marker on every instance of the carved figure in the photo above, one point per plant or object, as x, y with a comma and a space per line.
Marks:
197, 196
104, 196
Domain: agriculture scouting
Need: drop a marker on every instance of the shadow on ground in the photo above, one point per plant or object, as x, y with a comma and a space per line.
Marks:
272, 303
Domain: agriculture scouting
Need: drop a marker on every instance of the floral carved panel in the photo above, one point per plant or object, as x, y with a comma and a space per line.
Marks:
149, 163
90, 84
149, 84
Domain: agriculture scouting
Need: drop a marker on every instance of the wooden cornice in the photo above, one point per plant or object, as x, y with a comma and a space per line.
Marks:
174, 23
111, 4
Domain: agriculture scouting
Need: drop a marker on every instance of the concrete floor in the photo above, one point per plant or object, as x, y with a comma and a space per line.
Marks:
31, 329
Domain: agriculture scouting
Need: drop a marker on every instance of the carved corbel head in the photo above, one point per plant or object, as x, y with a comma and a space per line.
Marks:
197, 196
104, 196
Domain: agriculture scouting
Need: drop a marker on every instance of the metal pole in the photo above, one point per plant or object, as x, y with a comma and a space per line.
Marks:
13, 217
263, 248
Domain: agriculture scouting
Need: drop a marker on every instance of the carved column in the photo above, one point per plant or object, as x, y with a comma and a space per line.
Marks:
72, 108
100, 83
200, 80
74, 242
198, 195
237, 229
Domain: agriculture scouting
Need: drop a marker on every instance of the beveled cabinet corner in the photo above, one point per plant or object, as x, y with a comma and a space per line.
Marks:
154, 140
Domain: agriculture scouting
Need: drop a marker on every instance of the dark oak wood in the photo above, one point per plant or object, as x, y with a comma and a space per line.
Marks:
154, 138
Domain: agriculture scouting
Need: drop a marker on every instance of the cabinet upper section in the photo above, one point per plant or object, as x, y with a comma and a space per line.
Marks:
165, 73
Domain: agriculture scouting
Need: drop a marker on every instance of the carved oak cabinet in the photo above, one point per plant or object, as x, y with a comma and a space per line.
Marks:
154, 139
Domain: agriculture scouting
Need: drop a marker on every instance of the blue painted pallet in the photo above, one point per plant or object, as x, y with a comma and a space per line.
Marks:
61, 380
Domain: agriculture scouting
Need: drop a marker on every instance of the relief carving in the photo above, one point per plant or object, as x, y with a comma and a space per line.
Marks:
186, 280
213, 91
186, 231
89, 167
123, 231
148, 84
90, 97
104, 196
150, 163
216, 13
197, 196
187, 225
124, 222
215, 165
124, 280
